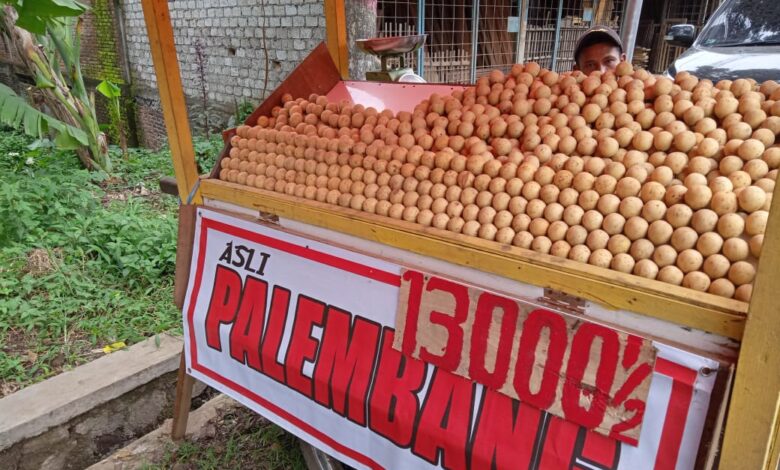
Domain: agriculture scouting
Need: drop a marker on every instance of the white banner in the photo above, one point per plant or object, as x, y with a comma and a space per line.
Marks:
302, 332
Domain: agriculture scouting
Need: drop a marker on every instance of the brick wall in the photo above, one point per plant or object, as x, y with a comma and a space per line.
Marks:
227, 35
101, 57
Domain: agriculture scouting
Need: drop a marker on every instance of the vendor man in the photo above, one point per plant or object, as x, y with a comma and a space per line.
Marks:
599, 48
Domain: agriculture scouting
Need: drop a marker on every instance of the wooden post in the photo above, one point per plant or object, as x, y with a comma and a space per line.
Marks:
336, 35
522, 32
772, 459
166, 68
184, 382
182, 402
187, 213
751, 424
630, 26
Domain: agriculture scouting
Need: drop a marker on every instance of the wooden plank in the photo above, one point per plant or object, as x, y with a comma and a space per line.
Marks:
184, 252
521, 43
612, 289
599, 17
493, 339
166, 68
182, 401
772, 459
336, 35
688, 339
709, 447
757, 383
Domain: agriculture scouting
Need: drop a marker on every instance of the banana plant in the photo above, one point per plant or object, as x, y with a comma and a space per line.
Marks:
16, 112
113, 95
33, 15
46, 35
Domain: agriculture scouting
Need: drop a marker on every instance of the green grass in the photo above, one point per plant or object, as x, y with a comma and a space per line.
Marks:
242, 440
85, 259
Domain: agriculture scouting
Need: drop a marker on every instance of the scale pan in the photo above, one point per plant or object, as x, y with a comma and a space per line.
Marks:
392, 45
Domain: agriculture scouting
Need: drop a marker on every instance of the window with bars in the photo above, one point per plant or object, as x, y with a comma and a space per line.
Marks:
467, 39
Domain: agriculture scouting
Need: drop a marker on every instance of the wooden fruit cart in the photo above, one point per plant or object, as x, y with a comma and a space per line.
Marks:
730, 331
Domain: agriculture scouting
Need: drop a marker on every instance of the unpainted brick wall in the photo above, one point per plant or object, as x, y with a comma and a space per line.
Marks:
101, 58
230, 36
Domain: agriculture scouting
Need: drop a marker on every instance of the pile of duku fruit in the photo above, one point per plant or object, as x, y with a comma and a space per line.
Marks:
666, 179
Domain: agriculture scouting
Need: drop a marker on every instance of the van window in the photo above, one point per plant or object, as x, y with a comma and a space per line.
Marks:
743, 23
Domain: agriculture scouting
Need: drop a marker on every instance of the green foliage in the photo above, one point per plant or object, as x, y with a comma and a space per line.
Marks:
108, 69
33, 15
242, 440
47, 37
143, 167
243, 111
18, 113
13, 145
109, 89
128, 243
113, 93
207, 151
85, 260
40, 208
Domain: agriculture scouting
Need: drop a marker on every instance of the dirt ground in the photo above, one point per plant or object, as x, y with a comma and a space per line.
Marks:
241, 439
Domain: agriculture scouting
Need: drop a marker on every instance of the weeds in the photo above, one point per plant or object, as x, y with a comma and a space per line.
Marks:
88, 260
207, 151
244, 109
242, 440
85, 259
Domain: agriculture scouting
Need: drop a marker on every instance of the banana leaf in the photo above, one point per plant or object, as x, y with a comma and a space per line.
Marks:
16, 112
109, 89
34, 14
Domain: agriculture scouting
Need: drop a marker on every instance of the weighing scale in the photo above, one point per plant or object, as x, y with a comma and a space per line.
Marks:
387, 48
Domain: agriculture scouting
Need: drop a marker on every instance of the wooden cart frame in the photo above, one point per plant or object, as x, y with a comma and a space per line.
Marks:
752, 430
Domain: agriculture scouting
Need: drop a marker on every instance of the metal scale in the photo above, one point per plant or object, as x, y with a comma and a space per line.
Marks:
390, 47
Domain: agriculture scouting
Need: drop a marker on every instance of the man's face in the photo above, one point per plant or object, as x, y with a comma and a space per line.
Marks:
601, 56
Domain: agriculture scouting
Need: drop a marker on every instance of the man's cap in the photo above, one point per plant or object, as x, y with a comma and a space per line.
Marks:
595, 35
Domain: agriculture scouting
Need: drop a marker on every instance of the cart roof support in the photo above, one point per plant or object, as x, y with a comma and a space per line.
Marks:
166, 68
336, 34
752, 439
